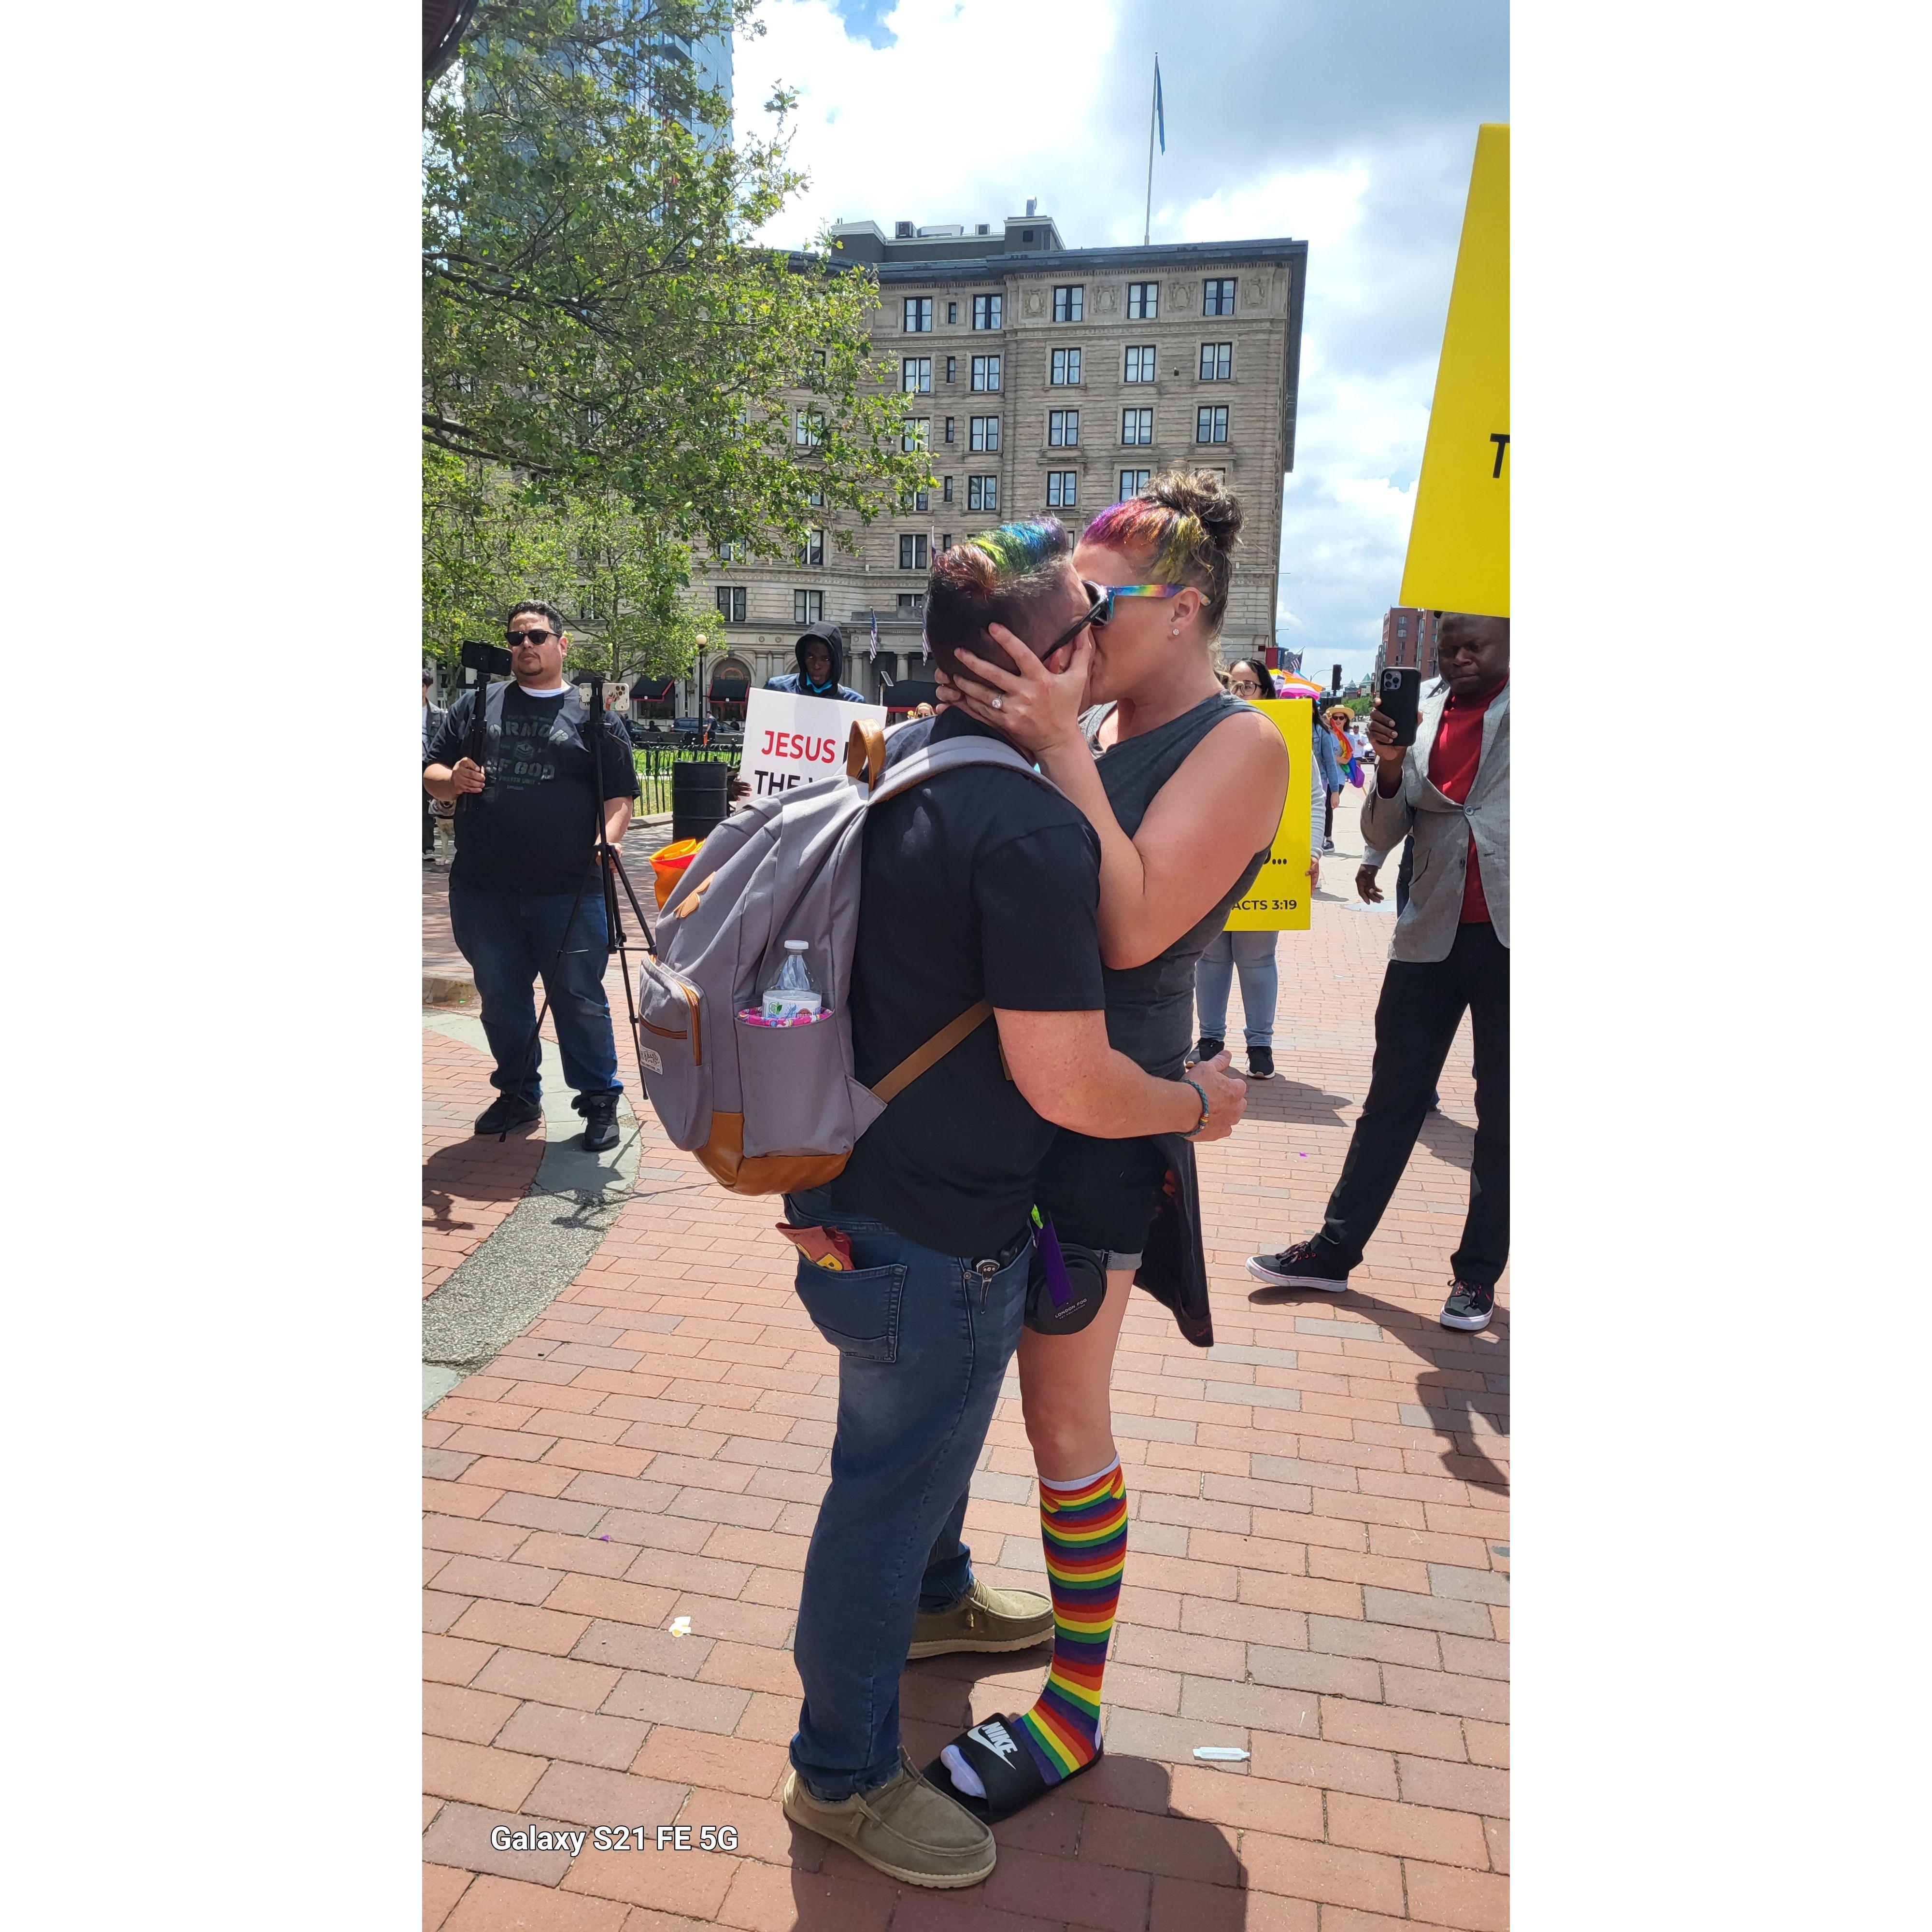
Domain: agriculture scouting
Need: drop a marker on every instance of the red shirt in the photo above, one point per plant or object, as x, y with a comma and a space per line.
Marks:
1452, 761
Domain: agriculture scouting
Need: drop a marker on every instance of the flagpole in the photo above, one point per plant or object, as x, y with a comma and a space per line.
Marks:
1146, 225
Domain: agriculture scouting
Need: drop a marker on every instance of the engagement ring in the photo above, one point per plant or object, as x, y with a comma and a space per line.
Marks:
997, 705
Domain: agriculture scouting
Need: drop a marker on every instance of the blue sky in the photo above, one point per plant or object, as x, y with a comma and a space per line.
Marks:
1350, 123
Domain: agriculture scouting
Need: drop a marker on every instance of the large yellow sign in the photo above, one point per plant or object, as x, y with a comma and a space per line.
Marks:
1278, 900
1459, 543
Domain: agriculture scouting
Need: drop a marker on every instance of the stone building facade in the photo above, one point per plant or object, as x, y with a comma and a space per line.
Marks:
1045, 379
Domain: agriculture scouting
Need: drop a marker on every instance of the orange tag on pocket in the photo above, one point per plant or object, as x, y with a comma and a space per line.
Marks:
823, 1247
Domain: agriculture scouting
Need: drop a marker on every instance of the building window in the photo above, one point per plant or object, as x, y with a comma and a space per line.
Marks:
912, 553
1061, 488
808, 606
815, 497
986, 311
809, 430
1069, 303
912, 600
1137, 365
1137, 425
1217, 297
986, 372
952, 312
983, 493
916, 432
1133, 482
916, 375
952, 368
1211, 425
918, 315
1143, 301
731, 602
911, 500
731, 551
946, 539
812, 552
1217, 361
1219, 473
1065, 371
982, 432
1063, 428
945, 485
949, 429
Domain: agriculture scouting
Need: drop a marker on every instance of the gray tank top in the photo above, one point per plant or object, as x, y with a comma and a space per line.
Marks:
1151, 1008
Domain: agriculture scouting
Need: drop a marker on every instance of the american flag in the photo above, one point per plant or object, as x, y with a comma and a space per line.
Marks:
872, 648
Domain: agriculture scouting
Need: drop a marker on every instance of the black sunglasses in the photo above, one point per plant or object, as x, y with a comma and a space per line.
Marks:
529, 637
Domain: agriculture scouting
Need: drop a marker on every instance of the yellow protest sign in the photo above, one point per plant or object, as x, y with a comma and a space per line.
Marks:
1459, 543
1278, 900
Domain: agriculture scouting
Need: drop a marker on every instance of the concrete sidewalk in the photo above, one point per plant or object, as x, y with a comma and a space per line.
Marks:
1317, 1569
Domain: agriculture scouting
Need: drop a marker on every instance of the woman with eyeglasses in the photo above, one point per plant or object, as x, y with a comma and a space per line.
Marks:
1182, 782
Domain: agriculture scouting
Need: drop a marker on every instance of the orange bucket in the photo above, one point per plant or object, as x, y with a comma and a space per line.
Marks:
668, 866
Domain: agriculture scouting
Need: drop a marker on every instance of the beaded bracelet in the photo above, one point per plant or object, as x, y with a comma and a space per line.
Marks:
1203, 1121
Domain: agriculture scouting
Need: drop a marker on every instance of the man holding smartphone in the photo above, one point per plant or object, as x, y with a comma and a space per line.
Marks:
1444, 781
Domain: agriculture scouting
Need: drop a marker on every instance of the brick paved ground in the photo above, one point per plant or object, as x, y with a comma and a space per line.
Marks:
1317, 1569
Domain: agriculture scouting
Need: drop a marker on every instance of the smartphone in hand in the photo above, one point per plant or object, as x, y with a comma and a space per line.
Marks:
1398, 693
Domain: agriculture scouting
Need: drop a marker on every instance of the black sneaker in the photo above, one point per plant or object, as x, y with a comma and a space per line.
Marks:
1304, 1265
1205, 1047
600, 1123
505, 1112
1261, 1062
1469, 1305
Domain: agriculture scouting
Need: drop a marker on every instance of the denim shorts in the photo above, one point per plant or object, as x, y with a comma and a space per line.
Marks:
1103, 1194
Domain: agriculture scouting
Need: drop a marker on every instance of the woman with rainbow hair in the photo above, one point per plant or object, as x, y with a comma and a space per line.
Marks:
1184, 785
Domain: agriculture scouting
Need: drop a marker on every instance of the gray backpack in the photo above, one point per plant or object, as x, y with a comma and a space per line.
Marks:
774, 1109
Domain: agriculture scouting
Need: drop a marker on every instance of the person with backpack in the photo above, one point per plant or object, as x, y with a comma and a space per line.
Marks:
1183, 784
978, 890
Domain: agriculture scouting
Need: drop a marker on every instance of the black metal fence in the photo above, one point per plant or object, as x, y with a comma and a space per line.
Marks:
654, 760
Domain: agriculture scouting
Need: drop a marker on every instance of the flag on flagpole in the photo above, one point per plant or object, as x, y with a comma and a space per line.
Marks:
1160, 115
872, 648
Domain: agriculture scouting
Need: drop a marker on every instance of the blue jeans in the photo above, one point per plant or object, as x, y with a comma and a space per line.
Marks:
923, 1341
1251, 954
511, 937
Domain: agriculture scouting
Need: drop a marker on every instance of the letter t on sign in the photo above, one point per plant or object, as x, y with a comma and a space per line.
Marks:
1501, 442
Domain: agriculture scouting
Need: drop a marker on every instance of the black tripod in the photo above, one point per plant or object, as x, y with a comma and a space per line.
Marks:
607, 862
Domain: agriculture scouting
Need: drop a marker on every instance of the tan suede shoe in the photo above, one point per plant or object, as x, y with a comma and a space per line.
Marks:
906, 1827
985, 1619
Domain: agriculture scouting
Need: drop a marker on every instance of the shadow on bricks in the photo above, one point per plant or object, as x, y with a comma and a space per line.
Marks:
1455, 1393
1293, 1101
479, 1168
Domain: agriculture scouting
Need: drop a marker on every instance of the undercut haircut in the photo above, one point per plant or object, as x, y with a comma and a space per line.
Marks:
1001, 577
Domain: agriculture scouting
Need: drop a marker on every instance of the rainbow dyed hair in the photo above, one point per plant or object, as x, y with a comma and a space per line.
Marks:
996, 576
1179, 529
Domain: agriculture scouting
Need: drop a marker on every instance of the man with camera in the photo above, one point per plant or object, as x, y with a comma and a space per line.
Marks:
1449, 789
524, 899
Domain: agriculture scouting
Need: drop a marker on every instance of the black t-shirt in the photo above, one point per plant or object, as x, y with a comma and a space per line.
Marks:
978, 885
531, 828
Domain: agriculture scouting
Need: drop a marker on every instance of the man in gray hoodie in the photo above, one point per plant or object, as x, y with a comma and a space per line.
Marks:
821, 663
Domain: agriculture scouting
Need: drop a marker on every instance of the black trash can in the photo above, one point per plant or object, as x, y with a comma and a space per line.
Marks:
699, 798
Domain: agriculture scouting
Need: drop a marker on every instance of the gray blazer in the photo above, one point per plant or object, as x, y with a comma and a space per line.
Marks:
1442, 830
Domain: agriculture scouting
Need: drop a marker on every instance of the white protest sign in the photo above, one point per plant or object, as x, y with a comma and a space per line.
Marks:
790, 739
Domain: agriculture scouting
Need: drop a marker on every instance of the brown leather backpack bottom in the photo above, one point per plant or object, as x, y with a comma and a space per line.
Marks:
722, 1156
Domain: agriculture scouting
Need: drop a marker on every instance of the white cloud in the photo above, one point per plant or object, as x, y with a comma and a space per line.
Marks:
1032, 100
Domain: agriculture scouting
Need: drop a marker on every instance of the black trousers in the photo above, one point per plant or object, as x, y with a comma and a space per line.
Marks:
1421, 1006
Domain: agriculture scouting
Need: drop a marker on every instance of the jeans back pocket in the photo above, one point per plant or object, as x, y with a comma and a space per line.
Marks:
856, 1309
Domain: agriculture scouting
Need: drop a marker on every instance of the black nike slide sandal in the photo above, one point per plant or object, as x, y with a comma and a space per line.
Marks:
1004, 1766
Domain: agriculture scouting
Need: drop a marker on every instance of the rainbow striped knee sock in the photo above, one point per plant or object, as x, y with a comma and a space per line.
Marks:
1084, 1526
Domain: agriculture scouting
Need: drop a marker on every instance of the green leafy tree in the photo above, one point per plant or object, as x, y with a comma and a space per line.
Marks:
595, 318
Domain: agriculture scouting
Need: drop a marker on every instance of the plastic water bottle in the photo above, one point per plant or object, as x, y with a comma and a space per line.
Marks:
791, 995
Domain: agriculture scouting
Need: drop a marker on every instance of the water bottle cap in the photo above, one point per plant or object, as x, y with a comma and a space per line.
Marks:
798, 945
